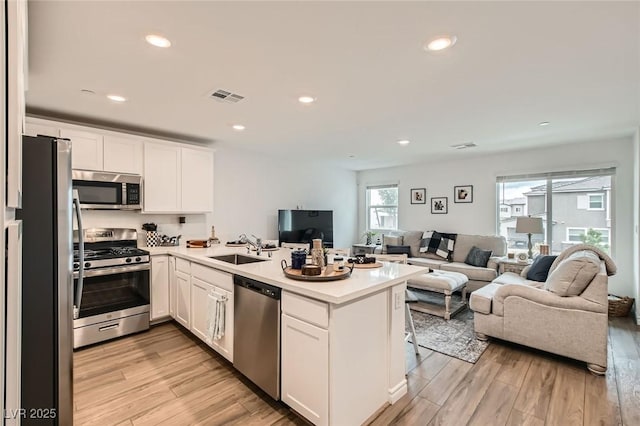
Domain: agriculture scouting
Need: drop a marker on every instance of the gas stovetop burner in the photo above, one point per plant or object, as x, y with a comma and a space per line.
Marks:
127, 251
110, 257
111, 253
106, 247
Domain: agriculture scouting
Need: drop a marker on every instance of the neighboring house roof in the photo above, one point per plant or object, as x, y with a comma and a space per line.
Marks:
590, 184
515, 201
514, 218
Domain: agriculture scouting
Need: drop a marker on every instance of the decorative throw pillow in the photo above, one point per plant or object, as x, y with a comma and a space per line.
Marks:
399, 250
539, 270
435, 243
478, 257
451, 237
390, 240
573, 274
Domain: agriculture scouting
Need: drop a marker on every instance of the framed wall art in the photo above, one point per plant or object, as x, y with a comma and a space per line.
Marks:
418, 195
463, 194
439, 205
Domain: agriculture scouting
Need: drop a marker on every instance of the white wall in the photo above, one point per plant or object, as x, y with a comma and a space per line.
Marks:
479, 217
250, 188
636, 222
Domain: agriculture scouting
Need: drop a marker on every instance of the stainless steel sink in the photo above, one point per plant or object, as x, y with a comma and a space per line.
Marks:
237, 259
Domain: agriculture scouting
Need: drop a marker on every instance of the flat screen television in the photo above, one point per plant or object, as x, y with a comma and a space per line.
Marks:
302, 226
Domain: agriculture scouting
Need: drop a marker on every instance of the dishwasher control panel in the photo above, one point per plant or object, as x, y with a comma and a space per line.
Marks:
257, 286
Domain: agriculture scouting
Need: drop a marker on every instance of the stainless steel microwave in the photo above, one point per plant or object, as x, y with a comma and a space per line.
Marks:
107, 190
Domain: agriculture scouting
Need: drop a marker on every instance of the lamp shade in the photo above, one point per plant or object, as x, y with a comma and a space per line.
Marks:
529, 225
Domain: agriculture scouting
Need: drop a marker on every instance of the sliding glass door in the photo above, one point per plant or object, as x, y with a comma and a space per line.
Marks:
575, 208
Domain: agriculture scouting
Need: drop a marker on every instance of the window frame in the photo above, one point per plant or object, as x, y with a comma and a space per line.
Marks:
604, 231
602, 200
608, 203
368, 205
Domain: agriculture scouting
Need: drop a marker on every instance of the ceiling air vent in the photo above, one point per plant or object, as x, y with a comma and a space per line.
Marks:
464, 145
226, 96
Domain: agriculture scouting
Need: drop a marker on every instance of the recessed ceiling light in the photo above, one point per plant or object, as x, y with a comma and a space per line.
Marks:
543, 123
157, 40
404, 142
117, 98
238, 127
306, 99
440, 43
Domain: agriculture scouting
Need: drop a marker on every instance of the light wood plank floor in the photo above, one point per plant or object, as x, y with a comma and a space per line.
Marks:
168, 377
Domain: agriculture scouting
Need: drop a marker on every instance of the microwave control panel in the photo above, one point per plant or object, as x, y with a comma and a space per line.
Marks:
132, 192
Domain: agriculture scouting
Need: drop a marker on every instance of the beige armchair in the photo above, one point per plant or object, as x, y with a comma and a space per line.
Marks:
556, 316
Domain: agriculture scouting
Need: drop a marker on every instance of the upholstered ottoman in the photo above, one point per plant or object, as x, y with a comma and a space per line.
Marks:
444, 282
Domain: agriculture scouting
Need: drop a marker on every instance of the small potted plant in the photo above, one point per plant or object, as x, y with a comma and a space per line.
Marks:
369, 237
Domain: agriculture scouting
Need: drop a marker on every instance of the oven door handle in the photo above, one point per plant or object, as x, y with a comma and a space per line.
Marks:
115, 270
80, 274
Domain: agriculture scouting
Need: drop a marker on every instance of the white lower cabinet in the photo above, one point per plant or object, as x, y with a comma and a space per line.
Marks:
305, 369
160, 287
203, 281
199, 304
172, 287
335, 358
200, 312
186, 286
183, 298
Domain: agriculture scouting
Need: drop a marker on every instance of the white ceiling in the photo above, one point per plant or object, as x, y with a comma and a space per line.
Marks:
574, 64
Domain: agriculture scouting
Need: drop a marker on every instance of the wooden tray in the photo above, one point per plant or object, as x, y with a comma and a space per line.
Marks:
296, 274
365, 265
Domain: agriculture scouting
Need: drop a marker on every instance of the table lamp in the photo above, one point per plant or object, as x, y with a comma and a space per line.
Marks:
529, 225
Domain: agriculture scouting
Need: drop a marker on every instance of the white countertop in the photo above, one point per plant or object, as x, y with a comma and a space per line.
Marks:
362, 282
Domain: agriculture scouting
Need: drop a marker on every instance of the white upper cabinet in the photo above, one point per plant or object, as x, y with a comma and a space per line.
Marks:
123, 155
35, 129
101, 151
86, 149
177, 179
197, 180
161, 177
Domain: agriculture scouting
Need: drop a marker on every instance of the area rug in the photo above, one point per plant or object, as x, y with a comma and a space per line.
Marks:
454, 337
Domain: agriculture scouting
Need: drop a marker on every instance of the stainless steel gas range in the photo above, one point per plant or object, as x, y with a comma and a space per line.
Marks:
111, 283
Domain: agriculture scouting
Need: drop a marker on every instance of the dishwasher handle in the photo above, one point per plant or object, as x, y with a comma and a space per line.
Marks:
258, 287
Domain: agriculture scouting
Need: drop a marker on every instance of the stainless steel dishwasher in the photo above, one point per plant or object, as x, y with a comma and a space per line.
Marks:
256, 335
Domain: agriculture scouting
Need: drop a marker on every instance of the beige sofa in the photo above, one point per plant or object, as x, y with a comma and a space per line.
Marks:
530, 313
478, 276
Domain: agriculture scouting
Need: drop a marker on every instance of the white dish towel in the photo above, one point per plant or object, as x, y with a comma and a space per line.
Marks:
216, 311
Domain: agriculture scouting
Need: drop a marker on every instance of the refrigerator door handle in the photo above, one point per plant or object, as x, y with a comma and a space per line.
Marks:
78, 296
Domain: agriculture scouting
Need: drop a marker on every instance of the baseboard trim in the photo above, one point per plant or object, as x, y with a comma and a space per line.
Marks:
398, 391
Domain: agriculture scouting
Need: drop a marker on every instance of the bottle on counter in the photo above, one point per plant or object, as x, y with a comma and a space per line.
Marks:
317, 253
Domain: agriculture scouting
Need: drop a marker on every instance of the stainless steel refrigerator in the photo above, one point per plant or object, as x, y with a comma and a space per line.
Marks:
47, 282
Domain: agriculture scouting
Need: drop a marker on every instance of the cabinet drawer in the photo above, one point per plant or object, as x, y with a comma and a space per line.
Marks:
183, 266
309, 310
212, 276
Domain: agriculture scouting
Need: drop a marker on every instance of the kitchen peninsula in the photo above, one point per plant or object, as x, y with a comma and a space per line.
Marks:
342, 342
